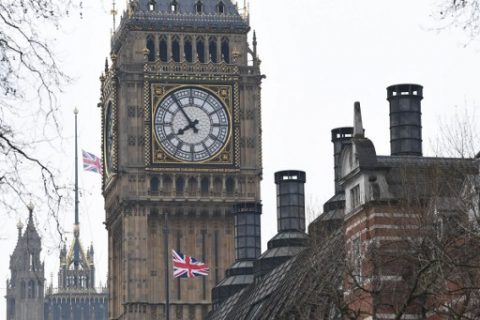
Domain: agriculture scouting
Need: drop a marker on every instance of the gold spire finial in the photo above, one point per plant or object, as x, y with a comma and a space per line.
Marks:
30, 206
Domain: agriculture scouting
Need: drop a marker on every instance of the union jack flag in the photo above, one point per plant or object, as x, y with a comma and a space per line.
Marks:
91, 162
187, 267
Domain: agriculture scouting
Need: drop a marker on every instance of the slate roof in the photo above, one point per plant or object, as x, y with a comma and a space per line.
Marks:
186, 16
367, 156
425, 176
186, 19
397, 161
188, 6
304, 284
225, 308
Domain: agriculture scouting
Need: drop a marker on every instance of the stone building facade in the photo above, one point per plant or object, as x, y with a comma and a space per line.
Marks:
181, 137
76, 297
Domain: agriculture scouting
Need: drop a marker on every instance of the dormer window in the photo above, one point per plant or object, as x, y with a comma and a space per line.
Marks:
174, 6
151, 5
199, 7
221, 7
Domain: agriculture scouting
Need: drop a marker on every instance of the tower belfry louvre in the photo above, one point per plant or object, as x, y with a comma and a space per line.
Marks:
181, 135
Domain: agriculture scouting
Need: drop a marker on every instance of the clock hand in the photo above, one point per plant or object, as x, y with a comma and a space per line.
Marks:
191, 124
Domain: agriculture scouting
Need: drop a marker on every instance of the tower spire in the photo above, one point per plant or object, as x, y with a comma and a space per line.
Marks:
113, 12
76, 228
19, 227
106, 66
254, 44
30, 208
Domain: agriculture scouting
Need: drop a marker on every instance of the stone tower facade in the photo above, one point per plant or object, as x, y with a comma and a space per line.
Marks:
181, 137
25, 288
76, 296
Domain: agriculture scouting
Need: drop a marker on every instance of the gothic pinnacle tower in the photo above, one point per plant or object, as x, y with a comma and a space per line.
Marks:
26, 283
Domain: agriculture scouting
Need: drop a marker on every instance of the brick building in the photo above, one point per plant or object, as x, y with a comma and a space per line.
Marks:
409, 231
397, 240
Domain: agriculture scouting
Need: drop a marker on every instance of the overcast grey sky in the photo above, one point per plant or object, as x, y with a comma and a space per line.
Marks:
319, 57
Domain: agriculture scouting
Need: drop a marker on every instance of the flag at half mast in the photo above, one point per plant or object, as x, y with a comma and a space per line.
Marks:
91, 162
187, 267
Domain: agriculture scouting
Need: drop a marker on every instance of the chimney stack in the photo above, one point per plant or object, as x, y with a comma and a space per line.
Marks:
247, 230
290, 200
291, 238
340, 138
247, 249
405, 119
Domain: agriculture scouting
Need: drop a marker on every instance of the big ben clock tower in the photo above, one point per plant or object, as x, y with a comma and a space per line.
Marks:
181, 136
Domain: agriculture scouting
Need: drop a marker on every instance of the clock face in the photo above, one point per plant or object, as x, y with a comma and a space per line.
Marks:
108, 138
191, 124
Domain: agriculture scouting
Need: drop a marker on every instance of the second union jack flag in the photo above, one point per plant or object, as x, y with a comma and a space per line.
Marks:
91, 162
187, 267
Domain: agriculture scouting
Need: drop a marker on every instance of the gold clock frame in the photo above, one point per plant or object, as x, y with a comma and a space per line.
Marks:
156, 155
109, 96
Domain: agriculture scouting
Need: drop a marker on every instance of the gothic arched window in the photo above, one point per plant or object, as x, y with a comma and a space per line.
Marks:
163, 49
31, 265
151, 5
199, 7
212, 48
225, 50
23, 289
230, 185
201, 50
151, 48
31, 289
176, 50
205, 186
180, 185
154, 185
221, 7
174, 6
187, 48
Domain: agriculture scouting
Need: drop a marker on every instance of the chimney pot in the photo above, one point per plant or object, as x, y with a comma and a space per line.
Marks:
405, 119
290, 200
